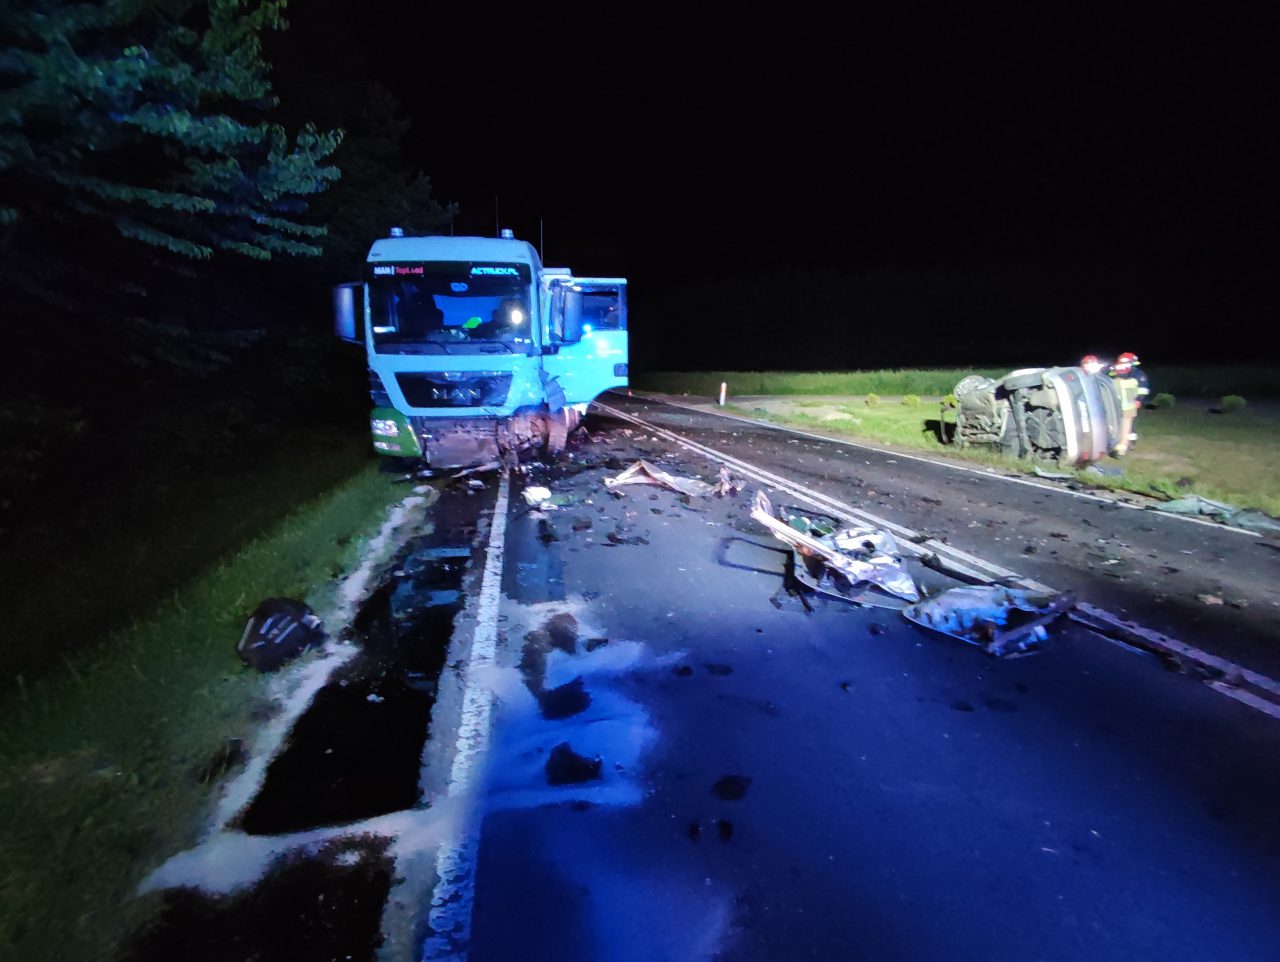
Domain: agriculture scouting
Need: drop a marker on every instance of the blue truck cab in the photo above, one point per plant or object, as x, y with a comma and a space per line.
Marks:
476, 351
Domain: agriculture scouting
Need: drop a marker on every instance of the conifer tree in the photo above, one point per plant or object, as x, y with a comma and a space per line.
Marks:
152, 116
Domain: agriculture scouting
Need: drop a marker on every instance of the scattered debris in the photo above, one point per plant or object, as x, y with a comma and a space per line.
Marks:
852, 556
536, 495
279, 630
642, 472
475, 484
1210, 599
1248, 518
478, 469
567, 767
1053, 475
998, 619
727, 484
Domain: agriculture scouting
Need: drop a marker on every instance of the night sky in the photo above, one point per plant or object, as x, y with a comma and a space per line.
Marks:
1096, 165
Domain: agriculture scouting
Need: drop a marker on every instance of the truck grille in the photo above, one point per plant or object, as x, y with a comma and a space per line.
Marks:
466, 389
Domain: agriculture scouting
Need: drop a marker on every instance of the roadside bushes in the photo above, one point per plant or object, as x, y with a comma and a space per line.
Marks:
1231, 403
872, 400
1162, 402
911, 400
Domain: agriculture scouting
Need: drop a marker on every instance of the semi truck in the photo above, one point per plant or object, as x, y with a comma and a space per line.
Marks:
477, 352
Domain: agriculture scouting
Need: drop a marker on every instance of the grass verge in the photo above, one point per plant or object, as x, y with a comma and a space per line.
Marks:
109, 764
1233, 458
108, 551
1204, 381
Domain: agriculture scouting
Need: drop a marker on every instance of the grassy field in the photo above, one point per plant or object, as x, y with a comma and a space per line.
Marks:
105, 764
1208, 381
1184, 450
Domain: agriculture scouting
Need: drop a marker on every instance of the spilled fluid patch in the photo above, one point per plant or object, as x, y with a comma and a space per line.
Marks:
533, 570
325, 904
357, 751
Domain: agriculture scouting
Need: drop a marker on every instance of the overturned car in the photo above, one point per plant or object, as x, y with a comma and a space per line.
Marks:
1063, 414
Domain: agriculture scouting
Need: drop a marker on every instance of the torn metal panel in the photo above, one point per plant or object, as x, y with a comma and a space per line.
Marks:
998, 619
833, 584
859, 555
642, 472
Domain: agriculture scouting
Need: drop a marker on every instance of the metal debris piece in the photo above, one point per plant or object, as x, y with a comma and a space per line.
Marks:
1053, 475
642, 472
858, 555
478, 469
727, 483
998, 619
536, 495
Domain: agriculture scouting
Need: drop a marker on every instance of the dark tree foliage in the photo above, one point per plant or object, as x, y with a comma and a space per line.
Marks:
150, 115
137, 139
323, 74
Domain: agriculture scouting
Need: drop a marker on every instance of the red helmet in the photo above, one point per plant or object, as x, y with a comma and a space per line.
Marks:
1126, 362
1091, 363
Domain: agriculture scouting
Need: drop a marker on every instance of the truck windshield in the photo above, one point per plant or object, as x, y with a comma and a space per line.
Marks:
450, 308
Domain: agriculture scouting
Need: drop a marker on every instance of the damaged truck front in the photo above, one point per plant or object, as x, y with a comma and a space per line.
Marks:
475, 350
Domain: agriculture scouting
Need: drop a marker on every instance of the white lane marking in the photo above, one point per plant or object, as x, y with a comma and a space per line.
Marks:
451, 902
1232, 675
1247, 698
1012, 479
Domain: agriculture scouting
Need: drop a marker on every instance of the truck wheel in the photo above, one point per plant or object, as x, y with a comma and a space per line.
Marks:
1020, 380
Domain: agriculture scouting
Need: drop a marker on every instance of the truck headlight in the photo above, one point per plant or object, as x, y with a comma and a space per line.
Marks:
385, 428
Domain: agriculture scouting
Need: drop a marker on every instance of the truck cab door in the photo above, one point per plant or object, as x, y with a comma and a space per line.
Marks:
584, 335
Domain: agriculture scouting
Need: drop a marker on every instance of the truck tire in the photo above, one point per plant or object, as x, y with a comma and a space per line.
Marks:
1019, 380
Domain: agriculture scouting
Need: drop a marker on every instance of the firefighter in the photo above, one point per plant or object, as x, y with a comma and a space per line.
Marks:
1132, 386
1091, 364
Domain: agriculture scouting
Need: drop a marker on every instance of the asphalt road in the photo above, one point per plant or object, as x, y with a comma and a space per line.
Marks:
775, 782
1153, 567
607, 730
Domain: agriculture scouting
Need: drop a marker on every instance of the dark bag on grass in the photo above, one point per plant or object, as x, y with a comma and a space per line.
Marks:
280, 629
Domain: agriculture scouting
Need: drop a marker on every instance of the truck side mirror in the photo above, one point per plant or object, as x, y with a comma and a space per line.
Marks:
348, 312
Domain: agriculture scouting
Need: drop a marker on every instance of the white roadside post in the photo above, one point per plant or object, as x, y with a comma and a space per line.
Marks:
723, 387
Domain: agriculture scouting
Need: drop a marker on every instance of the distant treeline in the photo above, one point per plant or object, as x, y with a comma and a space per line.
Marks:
1208, 381
1017, 315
